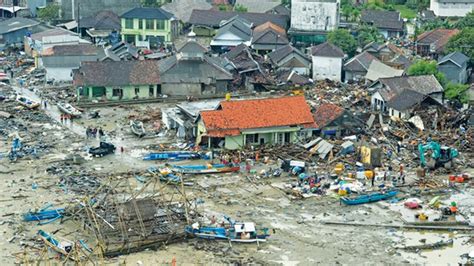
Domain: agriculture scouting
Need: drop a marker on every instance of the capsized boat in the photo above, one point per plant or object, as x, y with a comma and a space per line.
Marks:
242, 232
69, 109
367, 198
206, 169
27, 102
174, 155
137, 128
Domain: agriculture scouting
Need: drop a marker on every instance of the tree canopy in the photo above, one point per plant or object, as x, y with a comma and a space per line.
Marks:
467, 21
425, 67
49, 13
344, 40
455, 91
240, 8
462, 42
368, 34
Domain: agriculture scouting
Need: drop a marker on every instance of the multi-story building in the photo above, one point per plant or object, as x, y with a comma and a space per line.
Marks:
152, 26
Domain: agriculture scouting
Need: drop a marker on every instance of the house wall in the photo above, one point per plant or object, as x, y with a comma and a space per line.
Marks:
458, 9
288, 63
310, 15
14, 37
354, 75
327, 68
377, 102
60, 67
182, 89
234, 142
86, 93
204, 31
142, 33
453, 72
398, 114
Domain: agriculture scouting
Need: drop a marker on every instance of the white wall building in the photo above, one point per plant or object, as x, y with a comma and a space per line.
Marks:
451, 8
315, 15
327, 61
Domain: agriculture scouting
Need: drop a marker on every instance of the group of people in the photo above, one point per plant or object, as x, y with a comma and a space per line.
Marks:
93, 132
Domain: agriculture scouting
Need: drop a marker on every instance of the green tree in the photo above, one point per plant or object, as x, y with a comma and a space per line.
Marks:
455, 91
368, 34
240, 8
344, 40
462, 42
346, 12
426, 67
49, 13
467, 21
355, 14
154, 3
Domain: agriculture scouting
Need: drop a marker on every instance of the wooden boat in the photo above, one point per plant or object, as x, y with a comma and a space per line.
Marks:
43, 215
27, 102
62, 246
205, 169
369, 197
137, 128
173, 155
241, 232
69, 109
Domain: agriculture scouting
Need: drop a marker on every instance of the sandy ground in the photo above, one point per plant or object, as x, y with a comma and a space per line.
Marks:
300, 237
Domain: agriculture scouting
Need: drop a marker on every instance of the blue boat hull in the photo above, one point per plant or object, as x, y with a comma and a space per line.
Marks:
369, 198
178, 156
43, 215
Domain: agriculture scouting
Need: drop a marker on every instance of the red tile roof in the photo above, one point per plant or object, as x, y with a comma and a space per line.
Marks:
326, 113
234, 116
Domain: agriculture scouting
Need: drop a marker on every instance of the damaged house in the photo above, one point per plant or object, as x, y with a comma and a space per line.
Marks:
239, 123
183, 117
356, 68
117, 80
396, 96
432, 43
288, 58
191, 72
333, 120
246, 68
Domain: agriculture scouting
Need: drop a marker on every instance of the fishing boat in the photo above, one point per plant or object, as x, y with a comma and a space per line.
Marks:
367, 198
241, 232
27, 102
137, 128
173, 155
69, 109
43, 215
62, 246
205, 169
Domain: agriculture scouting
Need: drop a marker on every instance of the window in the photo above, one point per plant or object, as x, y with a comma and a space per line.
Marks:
251, 138
160, 24
151, 90
116, 92
140, 38
137, 91
129, 38
140, 23
158, 89
287, 137
149, 24
280, 138
129, 23
98, 91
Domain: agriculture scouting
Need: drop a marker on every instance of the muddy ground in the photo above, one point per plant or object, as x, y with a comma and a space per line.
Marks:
300, 236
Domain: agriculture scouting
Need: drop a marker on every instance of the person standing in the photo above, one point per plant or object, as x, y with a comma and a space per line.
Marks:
45, 103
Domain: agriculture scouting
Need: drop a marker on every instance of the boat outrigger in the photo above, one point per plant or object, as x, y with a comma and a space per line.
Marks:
62, 246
